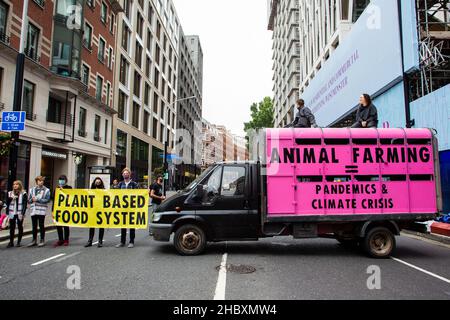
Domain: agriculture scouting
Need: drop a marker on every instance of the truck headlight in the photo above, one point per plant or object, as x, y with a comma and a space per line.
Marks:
156, 216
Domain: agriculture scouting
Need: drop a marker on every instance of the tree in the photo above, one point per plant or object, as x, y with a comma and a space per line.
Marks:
262, 115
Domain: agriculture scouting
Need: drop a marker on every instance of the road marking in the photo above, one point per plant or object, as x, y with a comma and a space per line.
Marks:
67, 257
221, 280
422, 270
46, 260
118, 235
27, 237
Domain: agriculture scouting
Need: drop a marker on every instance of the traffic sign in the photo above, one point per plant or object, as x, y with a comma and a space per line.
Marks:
13, 121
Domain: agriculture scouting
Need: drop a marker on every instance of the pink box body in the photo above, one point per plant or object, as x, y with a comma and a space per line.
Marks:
332, 172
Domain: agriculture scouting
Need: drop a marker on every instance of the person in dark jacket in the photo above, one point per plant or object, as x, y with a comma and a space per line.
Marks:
16, 206
96, 184
63, 232
127, 183
367, 114
304, 117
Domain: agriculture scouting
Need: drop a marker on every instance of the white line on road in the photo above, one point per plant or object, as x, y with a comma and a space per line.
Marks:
221, 280
422, 270
67, 257
46, 260
118, 235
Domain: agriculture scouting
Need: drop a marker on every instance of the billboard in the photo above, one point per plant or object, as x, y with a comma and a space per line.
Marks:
366, 61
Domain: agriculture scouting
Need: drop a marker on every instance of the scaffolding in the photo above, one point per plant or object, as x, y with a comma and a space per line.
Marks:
433, 17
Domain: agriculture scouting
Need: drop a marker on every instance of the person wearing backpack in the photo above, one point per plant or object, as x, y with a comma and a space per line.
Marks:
304, 117
16, 206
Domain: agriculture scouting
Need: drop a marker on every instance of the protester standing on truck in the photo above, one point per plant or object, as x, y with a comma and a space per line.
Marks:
367, 114
39, 197
16, 206
304, 117
156, 194
63, 232
127, 183
96, 184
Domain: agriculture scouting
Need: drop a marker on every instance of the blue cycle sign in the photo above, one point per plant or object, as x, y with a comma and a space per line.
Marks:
13, 121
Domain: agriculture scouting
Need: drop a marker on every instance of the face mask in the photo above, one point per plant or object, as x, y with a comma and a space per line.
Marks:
61, 182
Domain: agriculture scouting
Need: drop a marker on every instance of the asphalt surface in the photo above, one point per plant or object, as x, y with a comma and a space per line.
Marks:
284, 269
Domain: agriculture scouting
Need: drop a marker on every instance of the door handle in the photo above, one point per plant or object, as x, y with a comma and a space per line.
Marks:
246, 204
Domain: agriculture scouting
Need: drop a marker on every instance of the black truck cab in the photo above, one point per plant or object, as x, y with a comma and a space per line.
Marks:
221, 204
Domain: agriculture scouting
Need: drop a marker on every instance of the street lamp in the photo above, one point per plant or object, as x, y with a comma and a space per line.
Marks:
166, 143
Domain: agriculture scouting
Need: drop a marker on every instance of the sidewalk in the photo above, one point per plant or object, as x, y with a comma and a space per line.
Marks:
4, 234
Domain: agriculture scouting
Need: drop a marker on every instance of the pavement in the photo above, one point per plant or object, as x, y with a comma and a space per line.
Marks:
280, 268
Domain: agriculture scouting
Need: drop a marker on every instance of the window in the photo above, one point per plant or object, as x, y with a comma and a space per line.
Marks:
123, 74
137, 84
146, 94
233, 181
111, 23
127, 8
110, 57
103, 12
82, 123
158, 30
55, 111
121, 146
87, 36
141, 3
97, 128
139, 24
155, 128
125, 37
31, 49
148, 65
150, 14
28, 99
99, 88
85, 75
90, 3
101, 50
108, 91
155, 103
149, 40
122, 105
146, 120
136, 113
212, 185
138, 55
106, 130
157, 53
156, 78
4, 8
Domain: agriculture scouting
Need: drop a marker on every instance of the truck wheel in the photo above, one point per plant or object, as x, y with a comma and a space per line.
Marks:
379, 242
189, 240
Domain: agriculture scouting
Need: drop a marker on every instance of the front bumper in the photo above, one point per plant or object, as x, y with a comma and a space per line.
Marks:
161, 232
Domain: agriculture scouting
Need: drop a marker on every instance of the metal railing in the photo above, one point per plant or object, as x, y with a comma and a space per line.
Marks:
4, 38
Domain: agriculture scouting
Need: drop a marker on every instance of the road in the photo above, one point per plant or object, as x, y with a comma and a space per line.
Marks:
283, 269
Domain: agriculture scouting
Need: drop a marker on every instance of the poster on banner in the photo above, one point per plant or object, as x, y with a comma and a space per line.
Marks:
108, 209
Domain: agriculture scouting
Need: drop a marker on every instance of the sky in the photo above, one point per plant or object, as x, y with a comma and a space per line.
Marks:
237, 49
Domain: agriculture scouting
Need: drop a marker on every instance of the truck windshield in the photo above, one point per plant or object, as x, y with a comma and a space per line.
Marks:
200, 178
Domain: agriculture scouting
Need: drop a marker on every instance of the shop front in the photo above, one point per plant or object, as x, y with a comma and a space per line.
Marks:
23, 161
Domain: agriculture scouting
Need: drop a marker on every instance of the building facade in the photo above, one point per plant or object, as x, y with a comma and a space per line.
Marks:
284, 22
396, 51
189, 111
219, 144
68, 85
146, 87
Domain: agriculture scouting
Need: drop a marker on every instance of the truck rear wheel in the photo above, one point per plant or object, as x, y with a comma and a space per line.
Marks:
189, 240
379, 242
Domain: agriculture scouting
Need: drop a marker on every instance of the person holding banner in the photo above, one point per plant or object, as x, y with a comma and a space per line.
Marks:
127, 183
39, 197
16, 206
96, 184
63, 232
156, 194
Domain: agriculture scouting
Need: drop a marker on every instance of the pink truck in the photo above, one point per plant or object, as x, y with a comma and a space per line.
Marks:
359, 186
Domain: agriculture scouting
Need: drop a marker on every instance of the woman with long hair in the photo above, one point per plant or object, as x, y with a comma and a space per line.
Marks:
96, 184
16, 206
367, 114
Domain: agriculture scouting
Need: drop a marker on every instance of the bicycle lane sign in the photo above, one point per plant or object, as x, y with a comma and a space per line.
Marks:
13, 121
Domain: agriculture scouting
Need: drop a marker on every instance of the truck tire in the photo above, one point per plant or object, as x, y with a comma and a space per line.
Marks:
379, 242
189, 240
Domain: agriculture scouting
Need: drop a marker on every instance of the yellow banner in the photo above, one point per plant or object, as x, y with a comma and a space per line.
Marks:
109, 209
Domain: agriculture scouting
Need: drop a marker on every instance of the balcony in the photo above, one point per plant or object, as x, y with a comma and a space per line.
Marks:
32, 54
4, 38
